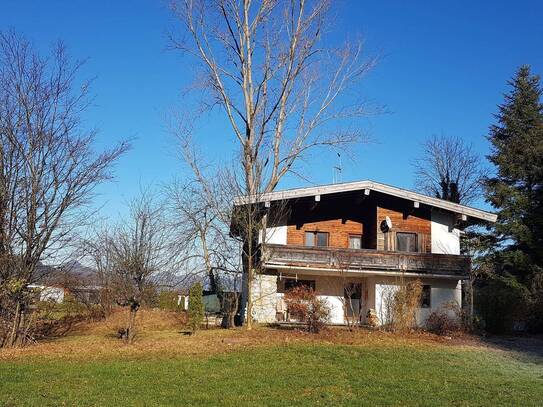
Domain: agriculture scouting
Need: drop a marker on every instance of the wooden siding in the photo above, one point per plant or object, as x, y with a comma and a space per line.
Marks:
414, 221
338, 230
357, 214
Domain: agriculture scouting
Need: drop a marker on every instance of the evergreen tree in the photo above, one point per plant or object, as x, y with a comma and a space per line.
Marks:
517, 192
517, 189
196, 307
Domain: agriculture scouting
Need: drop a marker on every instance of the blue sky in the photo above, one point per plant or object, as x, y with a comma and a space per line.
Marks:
443, 69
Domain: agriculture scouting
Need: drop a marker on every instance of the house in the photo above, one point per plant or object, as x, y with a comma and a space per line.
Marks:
47, 293
354, 244
54, 283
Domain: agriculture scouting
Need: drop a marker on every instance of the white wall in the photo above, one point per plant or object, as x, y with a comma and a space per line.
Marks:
275, 235
379, 288
445, 238
330, 289
47, 293
383, 294
55, 294
442, 293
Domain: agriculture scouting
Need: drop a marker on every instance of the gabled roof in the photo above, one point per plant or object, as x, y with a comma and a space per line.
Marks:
370, 186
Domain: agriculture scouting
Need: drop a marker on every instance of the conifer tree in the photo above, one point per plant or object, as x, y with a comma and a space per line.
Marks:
196, 307
516, 191
517, 188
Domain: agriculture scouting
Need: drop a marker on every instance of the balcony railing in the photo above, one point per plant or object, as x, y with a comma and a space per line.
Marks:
364, 259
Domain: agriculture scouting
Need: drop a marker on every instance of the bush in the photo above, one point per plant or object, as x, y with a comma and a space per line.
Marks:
196, 307
535, 305
446, 320
502, 303
401, 303
167, 300
53, 319
304, 305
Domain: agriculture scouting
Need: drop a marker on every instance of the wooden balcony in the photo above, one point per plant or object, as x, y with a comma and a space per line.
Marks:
364, 260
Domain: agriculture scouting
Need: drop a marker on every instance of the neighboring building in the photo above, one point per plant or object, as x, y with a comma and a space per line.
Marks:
48, 293
54, 283
359, 240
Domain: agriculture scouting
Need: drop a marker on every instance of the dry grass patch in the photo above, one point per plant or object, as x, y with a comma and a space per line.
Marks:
162, 334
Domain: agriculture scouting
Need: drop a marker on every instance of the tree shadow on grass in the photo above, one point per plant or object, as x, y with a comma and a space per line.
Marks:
525, 348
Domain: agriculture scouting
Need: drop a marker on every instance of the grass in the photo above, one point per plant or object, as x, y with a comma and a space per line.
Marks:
266, 368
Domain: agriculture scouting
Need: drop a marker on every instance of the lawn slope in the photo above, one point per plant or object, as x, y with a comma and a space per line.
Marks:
291, 375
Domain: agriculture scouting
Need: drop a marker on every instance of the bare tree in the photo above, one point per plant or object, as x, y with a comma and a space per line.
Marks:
283, 94
200, 218
140, 249
449, 169
96, 250
352, 299
48, 169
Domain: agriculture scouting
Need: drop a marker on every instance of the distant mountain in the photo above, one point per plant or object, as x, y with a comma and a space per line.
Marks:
69, 274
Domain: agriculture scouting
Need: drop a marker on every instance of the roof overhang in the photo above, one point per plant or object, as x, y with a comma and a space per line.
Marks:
366, 187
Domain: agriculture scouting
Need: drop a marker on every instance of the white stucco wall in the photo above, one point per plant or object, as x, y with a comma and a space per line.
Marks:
375, 291
331, 290
442, 293
383, 294
275, 235
445, 238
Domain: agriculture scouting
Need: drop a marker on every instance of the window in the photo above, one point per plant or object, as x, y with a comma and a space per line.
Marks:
425, 298
353, 291
406, 242
355, 241
290, 284
319, 239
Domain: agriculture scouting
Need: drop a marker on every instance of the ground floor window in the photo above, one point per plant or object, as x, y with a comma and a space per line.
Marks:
425, 298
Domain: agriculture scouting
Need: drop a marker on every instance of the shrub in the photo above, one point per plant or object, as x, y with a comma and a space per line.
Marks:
196, 307
53, 319
535, 305
304, 305
400, 304
405, 304
502, 303
167, 300
446, 320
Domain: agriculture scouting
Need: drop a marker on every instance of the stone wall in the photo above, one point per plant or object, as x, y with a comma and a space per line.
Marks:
264, 292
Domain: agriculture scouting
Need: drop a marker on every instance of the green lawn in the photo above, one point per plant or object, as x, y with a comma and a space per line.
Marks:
290, 375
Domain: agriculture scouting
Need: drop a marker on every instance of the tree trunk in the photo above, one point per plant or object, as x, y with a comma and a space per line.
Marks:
249, 322
12, 341
471, 303
131, 330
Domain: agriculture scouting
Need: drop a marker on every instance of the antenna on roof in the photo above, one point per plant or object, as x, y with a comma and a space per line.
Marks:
336, 171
